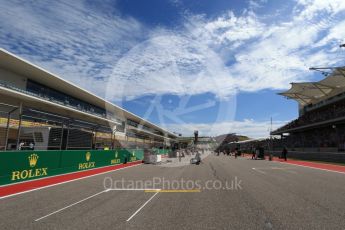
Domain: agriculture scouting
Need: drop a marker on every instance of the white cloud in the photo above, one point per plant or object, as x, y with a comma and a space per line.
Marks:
335, 34
227, 54
221, 55
255, 4
308, 9
169, 63
69, 38
230, 28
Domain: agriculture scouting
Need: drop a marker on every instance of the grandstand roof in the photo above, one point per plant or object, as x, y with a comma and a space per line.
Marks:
248, 141
312, 92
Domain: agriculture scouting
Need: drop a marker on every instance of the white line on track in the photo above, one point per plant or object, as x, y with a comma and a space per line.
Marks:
136, 212
327, 170
285, 169
61, 209
258, 170
305, 166
64, 182
106, 190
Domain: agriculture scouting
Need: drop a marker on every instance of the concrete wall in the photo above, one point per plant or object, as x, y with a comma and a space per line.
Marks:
315, 156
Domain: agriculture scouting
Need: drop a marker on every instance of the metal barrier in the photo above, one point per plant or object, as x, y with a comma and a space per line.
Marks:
23, 128
39, 134
8, 125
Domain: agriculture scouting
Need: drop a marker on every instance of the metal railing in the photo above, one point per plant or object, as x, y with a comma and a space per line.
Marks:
51, 99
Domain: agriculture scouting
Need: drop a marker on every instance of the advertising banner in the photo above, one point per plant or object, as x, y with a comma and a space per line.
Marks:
17, 166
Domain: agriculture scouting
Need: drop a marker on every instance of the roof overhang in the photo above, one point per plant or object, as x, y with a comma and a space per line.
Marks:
312, 92
20, 66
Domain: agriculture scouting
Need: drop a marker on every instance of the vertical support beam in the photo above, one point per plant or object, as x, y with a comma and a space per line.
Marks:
126, 136
95, 138
7, 129
67, 138
113, 136
61, 141
112, 141
20, 123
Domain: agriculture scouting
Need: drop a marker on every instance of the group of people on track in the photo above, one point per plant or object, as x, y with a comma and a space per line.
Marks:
257, 153
234, 152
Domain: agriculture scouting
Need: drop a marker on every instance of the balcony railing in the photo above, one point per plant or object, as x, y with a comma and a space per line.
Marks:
51, 99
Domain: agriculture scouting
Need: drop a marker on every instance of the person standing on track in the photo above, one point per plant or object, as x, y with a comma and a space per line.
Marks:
257, 152
284, 153
198, 158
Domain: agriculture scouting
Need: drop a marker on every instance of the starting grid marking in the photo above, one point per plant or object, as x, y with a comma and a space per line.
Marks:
99, 193
71, 205
155, 191
142, 206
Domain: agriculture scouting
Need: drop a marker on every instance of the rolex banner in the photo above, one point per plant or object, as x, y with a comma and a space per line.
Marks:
16, 166
25, 165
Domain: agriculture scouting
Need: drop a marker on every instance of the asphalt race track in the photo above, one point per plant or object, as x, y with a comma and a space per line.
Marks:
269, 195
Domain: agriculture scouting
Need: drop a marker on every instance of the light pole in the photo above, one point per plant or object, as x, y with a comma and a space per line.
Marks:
271, 143
113, 137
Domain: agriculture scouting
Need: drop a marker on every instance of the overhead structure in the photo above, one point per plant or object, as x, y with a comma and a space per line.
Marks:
41, 108
306, 93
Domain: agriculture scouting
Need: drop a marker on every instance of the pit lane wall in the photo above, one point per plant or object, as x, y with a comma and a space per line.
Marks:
18, 166
331, 157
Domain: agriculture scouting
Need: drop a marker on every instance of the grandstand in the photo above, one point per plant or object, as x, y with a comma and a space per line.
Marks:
319, 131
41, 111
228, 142
204, 142
321, 123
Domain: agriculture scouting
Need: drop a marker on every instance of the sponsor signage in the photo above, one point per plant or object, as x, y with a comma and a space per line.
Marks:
16, 166
116, 160
133, 157
31, 172
88, 164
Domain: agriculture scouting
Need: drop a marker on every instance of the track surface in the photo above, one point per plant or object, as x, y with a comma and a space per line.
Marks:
273, 196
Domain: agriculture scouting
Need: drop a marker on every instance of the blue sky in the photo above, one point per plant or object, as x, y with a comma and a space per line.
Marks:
215, 66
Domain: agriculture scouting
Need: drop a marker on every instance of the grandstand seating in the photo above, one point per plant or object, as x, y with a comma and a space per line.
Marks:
329, 112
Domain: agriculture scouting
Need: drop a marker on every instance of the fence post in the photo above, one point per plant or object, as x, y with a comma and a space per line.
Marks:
61, 141
94, 139
7, 129
20, 123
113, 139
68, 128
8, 126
